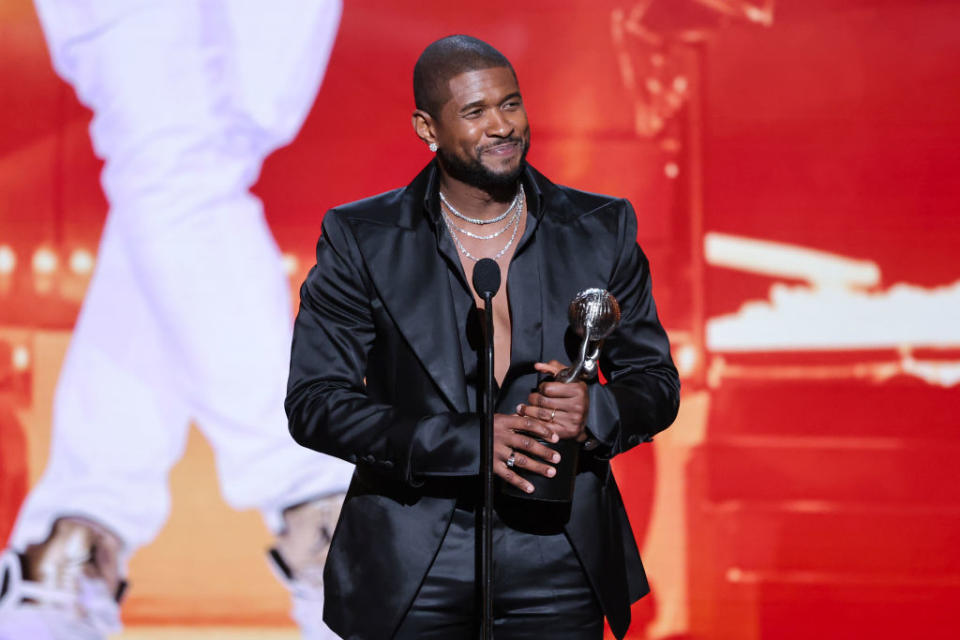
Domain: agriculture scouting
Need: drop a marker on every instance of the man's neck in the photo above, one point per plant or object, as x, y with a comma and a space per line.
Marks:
476, 202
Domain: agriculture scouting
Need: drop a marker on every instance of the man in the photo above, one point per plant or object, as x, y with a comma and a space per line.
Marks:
385, 374
187, 316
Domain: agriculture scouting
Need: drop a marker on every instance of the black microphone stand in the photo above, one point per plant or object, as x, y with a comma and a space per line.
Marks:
486, 281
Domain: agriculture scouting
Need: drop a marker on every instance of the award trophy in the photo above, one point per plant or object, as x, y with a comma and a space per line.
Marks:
594, 314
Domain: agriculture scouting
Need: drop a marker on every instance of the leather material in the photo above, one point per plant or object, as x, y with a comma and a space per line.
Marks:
380, 376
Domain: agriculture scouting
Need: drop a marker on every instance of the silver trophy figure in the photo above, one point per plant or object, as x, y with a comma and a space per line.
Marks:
594, 314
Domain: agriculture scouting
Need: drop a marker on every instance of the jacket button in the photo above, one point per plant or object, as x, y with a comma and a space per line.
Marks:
369, 459
386, 464
633, 440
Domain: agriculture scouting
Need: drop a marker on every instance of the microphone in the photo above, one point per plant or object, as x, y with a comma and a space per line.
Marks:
486, 282
486, 278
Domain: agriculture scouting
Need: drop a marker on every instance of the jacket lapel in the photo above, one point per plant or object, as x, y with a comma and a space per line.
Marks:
412, 281
569, 263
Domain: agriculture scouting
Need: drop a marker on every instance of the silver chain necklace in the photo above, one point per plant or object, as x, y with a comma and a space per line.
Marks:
481, 221
477, 236
513, 236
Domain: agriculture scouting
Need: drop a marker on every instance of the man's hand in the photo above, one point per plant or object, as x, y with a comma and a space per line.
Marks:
557, 410
517, 435
560, 406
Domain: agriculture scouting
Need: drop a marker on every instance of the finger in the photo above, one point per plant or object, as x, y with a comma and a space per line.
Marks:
570, 409
553, 410
544, 413
537, 399
503, 454
508, 475
540, 408
534, 426
535, 402
567, 432
554, 389
552, 368
524, 461
529, 445
565, 422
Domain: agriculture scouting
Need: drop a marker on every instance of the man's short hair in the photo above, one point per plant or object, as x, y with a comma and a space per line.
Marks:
445, 59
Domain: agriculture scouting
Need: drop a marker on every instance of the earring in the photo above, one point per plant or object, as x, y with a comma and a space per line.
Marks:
433, 147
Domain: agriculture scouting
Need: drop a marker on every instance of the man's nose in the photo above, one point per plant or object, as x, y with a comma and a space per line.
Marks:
499, 125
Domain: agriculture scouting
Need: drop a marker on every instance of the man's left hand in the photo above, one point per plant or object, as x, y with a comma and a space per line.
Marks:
561, 406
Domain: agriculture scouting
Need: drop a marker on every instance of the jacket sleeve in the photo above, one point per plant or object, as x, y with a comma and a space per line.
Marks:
642, 394
328, 408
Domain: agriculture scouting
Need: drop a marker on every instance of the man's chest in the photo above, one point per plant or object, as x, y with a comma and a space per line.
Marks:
502, 321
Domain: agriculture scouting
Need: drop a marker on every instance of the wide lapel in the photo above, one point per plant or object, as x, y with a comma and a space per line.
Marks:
412, 281
555, 287
569, 263
525, 291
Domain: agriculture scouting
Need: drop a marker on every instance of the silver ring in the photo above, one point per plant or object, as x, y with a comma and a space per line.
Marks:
552, 415
512, 460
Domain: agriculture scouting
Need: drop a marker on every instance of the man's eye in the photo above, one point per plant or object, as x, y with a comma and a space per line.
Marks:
475, 113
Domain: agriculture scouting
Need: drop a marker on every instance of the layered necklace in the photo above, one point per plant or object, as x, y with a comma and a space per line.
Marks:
516, 208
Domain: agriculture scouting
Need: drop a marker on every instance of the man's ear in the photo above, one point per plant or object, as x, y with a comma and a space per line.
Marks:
424, 126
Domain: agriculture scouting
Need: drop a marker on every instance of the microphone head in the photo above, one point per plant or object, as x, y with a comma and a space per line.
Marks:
486, 278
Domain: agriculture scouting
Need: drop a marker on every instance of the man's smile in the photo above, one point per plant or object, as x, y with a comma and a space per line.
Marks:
502, 149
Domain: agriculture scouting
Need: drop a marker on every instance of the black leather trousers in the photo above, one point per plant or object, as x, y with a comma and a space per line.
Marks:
540, 590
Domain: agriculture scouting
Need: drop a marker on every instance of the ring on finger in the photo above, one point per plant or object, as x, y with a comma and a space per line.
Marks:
512, 460
552, 414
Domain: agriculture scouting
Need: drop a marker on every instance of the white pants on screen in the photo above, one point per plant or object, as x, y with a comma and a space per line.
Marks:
188, 314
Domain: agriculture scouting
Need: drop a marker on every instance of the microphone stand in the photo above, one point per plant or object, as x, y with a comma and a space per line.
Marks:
486, 282
486, 461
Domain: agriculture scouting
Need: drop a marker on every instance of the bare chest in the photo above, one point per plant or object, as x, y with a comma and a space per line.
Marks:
502, 325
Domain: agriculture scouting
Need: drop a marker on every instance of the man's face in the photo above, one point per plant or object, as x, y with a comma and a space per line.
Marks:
482, 130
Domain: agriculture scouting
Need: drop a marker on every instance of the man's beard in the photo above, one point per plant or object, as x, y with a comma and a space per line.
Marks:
476, 174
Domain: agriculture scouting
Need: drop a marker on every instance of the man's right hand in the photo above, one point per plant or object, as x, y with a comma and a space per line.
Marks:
518, 435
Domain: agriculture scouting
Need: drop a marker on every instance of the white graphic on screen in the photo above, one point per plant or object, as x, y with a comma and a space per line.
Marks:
839, 308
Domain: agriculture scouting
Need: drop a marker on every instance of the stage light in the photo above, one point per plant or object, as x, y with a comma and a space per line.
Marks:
20, 358
760, 15
735, 575
44, 261
81, 262
670, 145
686, 360
290, 264
672, 170
8, 260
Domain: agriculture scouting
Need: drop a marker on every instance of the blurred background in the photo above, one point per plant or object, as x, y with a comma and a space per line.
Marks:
793, 168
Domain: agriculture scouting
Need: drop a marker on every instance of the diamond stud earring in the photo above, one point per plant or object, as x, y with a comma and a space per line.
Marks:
433, 147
